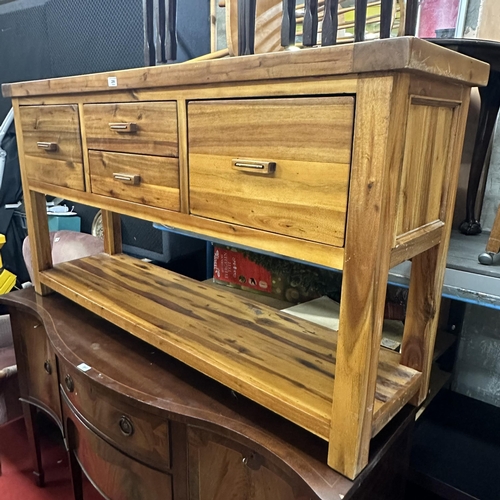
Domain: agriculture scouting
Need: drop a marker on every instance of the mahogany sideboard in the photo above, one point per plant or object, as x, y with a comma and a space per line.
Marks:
142, 425
345, 157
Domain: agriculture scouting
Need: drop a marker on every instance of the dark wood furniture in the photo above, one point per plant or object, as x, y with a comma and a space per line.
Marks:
142, 425
487, 51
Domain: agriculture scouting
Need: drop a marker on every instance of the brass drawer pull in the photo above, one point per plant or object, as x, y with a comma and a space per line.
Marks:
68, 381
123, 127
126, 426
127, 178
255, 166
47, 367
47, 146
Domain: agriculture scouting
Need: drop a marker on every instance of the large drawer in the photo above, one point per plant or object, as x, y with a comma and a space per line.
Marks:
149, 180
115, 474
308, 138
52, 145
141, 434
140, 127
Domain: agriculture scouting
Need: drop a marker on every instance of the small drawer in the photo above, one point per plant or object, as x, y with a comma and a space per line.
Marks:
116, 475
143, 127
280, 165
139, 433
149, 180
52, 145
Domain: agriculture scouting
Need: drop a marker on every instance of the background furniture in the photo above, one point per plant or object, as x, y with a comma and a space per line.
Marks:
488, 51
217, 148
140, 424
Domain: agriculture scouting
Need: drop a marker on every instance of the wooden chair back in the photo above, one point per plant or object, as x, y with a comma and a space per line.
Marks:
260, 26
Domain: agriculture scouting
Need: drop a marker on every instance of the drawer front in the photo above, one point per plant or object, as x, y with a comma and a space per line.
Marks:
140, 434
308, 139
149, 180
116, 475
52, 145
142, 127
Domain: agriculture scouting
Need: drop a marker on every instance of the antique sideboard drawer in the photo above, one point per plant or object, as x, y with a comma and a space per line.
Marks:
149, 180
115, 474
278, 164
140, 127
142, 435
52, 145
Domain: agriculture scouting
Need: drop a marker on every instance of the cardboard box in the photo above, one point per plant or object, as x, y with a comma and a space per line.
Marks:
280, 278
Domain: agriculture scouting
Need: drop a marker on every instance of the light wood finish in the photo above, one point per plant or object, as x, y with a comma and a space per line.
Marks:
112, 229
157, 178
83, 137
41, 252
285, 363
114, 474
365, 144
402, 53
428, 268
57, 125
302, 198
276, 244
371, 208
154, 131
421, 187
416, 241
494, 239
147, 435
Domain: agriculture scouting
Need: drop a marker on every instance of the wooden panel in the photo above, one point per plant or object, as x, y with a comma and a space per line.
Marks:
112, 228
37, 364
282, 362
401, 53
155, 123
306, 197
59, 126
158, 178
494, 239
113, 473
428, 268
220, 469
276, 244
425, 163
149, 441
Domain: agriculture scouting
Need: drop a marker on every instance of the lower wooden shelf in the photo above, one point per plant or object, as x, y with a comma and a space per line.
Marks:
281, 362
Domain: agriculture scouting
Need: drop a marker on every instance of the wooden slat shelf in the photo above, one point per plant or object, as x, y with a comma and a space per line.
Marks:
284, 363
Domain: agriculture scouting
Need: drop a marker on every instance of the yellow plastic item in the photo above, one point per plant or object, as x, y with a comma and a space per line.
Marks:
7, 279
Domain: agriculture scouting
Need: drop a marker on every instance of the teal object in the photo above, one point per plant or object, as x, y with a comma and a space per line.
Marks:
70, 223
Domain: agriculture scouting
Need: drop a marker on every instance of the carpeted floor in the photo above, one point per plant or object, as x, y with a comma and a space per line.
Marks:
16, 482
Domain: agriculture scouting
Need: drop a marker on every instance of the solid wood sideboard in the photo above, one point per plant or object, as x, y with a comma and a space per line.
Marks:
142, 425
345, 157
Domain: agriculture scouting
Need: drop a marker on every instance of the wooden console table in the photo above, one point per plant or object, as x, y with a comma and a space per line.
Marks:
142, 425
344, 156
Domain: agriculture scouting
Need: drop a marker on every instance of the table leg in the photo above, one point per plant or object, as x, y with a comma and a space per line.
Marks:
29, 412
490, 103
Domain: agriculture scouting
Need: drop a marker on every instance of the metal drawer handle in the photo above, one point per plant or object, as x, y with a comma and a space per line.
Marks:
48, 146
123, 127
47, 367
68, 381
126, 426
127, 178
255, 166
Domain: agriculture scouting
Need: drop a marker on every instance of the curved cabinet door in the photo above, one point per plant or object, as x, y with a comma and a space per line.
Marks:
36, 363
220, 468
